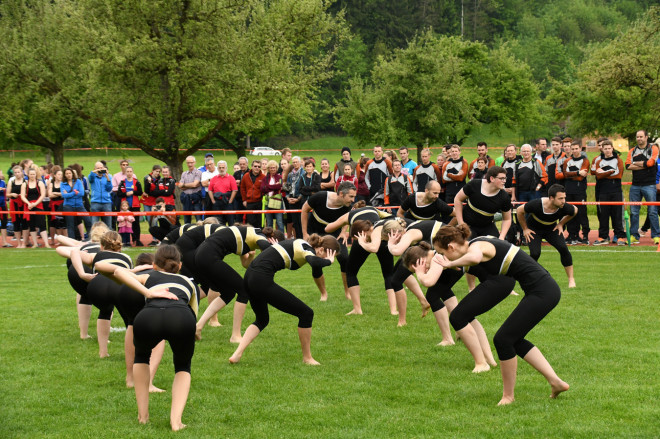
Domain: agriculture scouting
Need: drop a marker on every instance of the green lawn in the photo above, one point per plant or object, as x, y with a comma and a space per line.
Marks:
376, 380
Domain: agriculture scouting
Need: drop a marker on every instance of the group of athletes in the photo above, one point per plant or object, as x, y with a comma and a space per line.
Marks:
158, 297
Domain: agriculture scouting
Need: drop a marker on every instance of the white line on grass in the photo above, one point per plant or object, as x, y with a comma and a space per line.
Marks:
32, 266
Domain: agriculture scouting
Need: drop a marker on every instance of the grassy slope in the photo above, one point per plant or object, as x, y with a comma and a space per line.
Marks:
376, 380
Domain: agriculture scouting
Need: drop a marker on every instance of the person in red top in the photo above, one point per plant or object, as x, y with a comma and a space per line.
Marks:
347, 175
150, 183
166, 187
251, 193
130, 190
222, 191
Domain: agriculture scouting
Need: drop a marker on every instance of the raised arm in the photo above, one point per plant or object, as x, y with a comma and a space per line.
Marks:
338, 224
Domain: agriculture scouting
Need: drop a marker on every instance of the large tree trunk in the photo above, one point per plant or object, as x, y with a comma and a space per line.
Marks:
58, 154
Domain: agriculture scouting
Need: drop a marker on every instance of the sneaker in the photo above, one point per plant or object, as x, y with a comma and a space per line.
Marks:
601, 241
621, 241
584, 242
634, 240
656, 240
153, 244
139, 244
642, 232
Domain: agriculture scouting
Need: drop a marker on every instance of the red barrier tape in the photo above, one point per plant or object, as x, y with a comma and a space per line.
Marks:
252, 212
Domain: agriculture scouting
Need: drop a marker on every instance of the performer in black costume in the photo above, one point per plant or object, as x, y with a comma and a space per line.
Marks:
168, 314
542, 294
261, 287
538, 219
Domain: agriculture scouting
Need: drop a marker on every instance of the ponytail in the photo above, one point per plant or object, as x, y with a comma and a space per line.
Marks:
448, 234
111, 241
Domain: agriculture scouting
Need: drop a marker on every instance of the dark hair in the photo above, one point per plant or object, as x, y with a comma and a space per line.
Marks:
111, 240
449, 234
154, 167
144, 259
74, 176
160, 200
168, 258
607, 142
77, 170
556, 139
310, 162
328, 242
493, 172
601, 139
360, 226
538, 141
269, 232
359, 204
482, 144
554, 189
403, 147
415, 252
344, 187
482, 159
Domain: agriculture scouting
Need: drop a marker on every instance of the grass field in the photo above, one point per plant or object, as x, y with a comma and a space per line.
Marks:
376, 380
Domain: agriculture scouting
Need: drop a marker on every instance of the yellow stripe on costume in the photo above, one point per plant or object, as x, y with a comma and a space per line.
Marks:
479, 211
540, 221
239, 240
318, 218
506, 263
284, 254
252, 238
299, 253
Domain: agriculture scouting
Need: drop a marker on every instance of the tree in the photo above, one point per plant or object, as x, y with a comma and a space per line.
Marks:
618, 86
169, 75
437, 89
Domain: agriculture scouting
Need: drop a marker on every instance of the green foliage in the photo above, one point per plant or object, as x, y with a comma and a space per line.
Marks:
437, 90
617, 90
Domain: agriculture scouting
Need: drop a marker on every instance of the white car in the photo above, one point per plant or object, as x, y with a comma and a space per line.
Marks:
265, 150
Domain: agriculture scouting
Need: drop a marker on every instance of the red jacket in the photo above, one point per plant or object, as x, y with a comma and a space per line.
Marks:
251, 189
137, 192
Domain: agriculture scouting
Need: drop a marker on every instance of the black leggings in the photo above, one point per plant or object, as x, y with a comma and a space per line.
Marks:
35, 222
510, 339
176, 324
342, 258
436, 294
263, 291
103, 293
358, 256
79, 285
129, 304
556, 240
219, 276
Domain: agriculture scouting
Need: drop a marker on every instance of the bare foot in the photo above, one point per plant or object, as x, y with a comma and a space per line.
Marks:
506, 400
324, 297
104, 355
311, 362
513, 293
154, 389
198, 333
143, 421
425, 309
348, 296
178, 427
354, 312
401, 324
235, 339
234, 359
85, 337
491, 363
571, 283
446, 343
478, 368
557, 388
215, 323
394, 313
129, 383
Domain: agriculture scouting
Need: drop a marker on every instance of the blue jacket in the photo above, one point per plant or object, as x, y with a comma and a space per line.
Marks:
101, 187
72, 199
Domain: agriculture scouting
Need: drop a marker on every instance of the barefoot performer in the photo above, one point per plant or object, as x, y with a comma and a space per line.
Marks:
318, 252
538, 219
542, 294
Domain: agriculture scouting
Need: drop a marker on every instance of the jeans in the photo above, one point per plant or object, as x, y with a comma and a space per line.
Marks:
102, 207
191, 202
649, 194
279, 221
524, 196
70, 221
147, 219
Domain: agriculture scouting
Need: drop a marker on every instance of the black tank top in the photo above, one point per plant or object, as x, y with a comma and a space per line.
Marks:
90, 247
32, 193
326, 179
236, 239
114, 258
322, 214
432, 211
55, 189
291, 254
173, 236
16, 188
428, 229
481, 209
366, 213
509, 260
184, 288
194, 236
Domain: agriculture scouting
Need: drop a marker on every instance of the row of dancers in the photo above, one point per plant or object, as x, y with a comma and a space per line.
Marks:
158, 300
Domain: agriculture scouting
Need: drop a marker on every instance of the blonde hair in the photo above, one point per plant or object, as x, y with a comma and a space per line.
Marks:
98, 230
111, 240
396, 225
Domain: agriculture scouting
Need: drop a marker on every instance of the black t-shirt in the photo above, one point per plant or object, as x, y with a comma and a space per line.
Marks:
367, 214
480, 208
322, 214
236, 239
114, 258
291, 254
194, 236
428, 229
173, 236
432, 211
182, 287
539, 219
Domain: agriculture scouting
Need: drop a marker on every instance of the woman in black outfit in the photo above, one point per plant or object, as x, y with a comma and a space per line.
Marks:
168, 314
262, 290
542, 294
33, 192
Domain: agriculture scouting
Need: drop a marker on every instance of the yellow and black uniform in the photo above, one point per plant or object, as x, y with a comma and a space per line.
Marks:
262, 289
434, 211
130, 301
102, 291
543, 223
479, 213
217, 274
173, 236
509, 264
166, 319
358, 255
320, 216
188, 244
79, 285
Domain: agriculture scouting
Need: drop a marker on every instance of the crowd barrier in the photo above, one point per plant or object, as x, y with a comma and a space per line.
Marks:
252, 212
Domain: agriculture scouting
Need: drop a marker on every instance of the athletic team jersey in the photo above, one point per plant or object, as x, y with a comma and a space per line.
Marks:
238, 240
510, 261
114, 258
194, 236
416, 211
184, 288
381, 222
366, 213
322, 215
539, 219
176, 233
90, 247
428, 229
481, 209
509, 166
425, 173
290, 254
551, 163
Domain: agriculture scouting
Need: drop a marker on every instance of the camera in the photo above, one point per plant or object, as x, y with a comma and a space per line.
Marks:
103, 171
